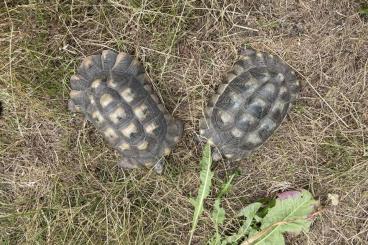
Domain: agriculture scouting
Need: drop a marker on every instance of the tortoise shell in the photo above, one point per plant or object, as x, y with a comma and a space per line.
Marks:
249, 105
114, 94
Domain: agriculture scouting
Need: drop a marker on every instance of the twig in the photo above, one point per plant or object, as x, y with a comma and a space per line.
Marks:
246, 27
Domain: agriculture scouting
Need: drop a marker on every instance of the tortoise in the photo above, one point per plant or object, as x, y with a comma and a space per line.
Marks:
249, 105
114, 93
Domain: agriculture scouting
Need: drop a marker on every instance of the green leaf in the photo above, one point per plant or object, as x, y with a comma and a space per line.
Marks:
192, 201
206, 176
252, 232
249, 212
218, 214
267, 204
363, 11
275, 238
216, 239
218, 217
288, 215
226, 187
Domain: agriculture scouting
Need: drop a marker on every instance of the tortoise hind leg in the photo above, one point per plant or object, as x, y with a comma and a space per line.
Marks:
159, 166
72, 107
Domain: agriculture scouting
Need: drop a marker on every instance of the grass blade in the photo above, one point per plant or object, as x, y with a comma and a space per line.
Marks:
206, 176
218, 212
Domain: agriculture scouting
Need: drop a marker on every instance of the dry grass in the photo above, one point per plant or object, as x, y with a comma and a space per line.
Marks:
58, 180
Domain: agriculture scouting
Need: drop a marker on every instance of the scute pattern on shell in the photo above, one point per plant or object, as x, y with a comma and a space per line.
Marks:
112, 91
249, 105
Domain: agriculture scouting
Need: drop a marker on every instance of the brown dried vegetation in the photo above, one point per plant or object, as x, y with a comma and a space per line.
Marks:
58, 180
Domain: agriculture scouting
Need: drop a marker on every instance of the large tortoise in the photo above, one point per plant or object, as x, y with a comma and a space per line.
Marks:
114, 94
248, 107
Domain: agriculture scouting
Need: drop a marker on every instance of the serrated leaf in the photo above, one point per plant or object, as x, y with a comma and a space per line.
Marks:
218, 214
267, 204
288, 215
218, 217
206, 176
293, 210
249, 212
226, 187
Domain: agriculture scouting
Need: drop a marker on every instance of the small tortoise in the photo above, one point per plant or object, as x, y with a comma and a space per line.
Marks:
113, 92
250, 105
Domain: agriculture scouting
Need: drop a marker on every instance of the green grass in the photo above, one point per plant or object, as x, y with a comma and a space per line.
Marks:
59, 183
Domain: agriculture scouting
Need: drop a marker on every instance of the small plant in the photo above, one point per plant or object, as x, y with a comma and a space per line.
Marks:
364, 10
206, 176
291, 211
218, 212
262, 223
